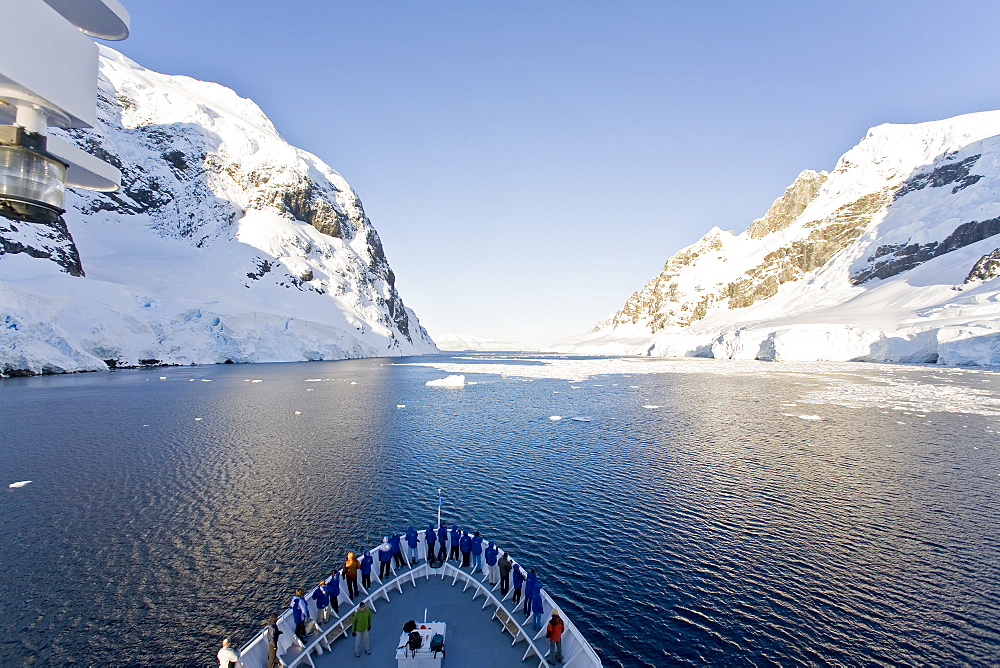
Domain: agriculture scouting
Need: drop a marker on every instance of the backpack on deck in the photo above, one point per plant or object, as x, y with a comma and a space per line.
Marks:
437, 644
415, 642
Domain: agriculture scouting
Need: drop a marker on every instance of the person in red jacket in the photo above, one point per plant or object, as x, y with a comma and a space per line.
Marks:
554, 633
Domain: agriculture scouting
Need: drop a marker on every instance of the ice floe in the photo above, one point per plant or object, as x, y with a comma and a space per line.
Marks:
555, 418
20, 483
450, 381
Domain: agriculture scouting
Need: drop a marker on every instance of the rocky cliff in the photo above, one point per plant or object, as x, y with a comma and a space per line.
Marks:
892, 256
224, 244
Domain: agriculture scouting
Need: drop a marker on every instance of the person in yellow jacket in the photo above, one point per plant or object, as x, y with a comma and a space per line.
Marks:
361, 624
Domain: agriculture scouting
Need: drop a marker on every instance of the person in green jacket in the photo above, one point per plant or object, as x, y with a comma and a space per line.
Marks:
361, 624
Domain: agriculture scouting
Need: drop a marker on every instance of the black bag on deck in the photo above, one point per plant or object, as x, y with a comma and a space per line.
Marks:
437, 644
409, 626
415, 642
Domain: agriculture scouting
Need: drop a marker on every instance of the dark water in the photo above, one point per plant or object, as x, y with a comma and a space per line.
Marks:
720, 528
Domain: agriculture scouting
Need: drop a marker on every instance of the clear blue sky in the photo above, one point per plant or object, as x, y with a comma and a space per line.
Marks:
530, 164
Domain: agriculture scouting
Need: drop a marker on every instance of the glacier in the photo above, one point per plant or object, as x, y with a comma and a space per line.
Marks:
224, 244
893, 256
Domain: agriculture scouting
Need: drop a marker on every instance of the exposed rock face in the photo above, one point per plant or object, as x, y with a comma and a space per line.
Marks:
787, 208
40, 240
988, 267
861, 263
223, 243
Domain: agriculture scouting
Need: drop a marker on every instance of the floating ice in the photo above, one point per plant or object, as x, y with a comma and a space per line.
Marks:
196, 419
813, 418
582, 419
206, 380
298, 412
650, 406
257, 380
555, 418
314, 380
163, 377
450, 381
20, 483
400, 405
353, 383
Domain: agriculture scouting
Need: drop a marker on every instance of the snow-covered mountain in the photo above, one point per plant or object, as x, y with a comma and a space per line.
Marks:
892, 256
224, 244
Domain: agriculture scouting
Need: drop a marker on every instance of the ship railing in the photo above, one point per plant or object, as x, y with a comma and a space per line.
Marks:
577, 652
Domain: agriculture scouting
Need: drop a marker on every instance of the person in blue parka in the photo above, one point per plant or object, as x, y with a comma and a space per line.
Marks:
518, 582
491, 553
536, 607
333, 586
397, 550
384, 559
456, 537
300, 613
321, 596
477, 552
530, 584
465, 544
442, 542
411, 544
366, 570
430, 536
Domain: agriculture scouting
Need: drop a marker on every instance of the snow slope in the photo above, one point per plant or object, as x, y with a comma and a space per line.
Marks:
224, 244
893, 256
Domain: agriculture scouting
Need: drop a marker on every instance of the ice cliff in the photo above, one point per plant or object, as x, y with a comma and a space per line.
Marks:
224, 244
893, 256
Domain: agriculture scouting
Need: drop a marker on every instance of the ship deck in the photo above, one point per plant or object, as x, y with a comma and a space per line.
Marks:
484, 628
472, 638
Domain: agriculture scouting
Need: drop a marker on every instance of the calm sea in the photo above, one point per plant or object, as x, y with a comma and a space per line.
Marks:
682, 512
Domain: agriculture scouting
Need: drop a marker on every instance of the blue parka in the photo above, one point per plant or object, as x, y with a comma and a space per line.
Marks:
334, 585
530, 584
443, 533
518, 577
491, 554
456, 535
321, 596
394, 543
430, 536
385, 553
536, 601
411, 537
466, 542
477, 545
366, 563
300, 611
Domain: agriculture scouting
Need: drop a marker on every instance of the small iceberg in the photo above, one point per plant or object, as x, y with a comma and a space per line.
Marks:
582, 419
20, 483
815, 418
400, 405
450, 381
555, 418
649, 406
